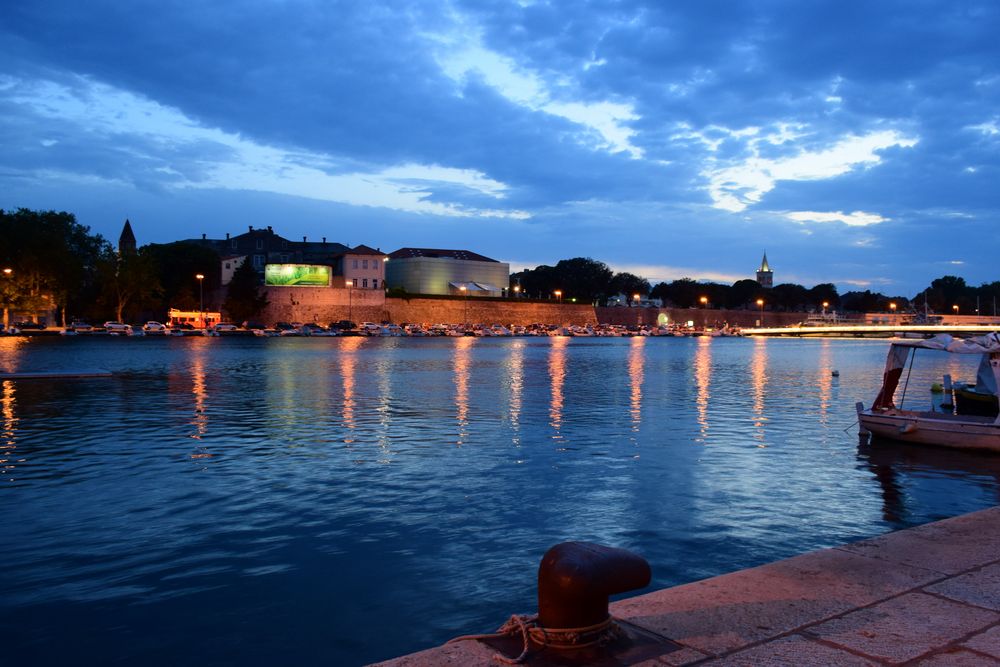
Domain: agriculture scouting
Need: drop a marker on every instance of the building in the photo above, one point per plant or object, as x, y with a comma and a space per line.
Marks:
229, 265
362, 267
765, 276
434, 271
262, 247
126, 242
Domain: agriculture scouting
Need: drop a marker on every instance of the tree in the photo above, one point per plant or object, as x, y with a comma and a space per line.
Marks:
824, 292
744, 294
584, 278
177, 264
129, 281
243, 298
629, 285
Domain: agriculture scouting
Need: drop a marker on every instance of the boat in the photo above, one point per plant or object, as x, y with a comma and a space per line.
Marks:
930, 427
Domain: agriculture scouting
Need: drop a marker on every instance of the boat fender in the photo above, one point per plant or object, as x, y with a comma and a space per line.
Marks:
936, 388
907, 428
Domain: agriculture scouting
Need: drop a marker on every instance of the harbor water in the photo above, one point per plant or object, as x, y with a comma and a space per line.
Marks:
344, 500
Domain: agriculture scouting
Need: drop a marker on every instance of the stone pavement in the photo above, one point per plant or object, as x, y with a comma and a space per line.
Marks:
925, 596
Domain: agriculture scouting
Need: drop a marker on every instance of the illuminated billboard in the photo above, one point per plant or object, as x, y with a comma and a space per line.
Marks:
297, 275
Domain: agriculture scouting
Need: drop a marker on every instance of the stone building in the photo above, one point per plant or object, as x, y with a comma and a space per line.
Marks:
436, 271
765, 276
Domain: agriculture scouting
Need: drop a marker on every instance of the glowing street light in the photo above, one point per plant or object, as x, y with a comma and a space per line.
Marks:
636, 297
465, 312
955, 308
826, 304
350, 300
517, 291
201, 297
892, 307
704, 301
6, 311
760, 303
558, 294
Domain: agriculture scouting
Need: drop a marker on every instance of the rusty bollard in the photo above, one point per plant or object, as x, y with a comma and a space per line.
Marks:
576, 578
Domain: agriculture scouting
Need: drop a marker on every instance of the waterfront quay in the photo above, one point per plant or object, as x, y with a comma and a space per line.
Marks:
928, 595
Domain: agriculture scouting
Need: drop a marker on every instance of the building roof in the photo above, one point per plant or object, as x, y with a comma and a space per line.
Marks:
363, 250
764, 268
466, 255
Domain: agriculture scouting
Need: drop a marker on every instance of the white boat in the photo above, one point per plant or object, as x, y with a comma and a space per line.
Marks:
946, 428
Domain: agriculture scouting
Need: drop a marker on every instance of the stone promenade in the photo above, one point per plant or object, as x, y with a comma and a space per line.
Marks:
925, 596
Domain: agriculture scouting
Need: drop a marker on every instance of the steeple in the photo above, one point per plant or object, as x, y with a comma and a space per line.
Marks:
126, 242
765, 276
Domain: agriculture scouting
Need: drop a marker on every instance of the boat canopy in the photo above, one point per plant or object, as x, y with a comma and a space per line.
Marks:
988, 375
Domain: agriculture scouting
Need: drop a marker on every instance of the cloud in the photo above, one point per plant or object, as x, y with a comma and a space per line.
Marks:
855, 219
738, 186
226, 161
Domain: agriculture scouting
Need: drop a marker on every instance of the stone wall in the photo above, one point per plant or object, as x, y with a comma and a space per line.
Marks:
328, 304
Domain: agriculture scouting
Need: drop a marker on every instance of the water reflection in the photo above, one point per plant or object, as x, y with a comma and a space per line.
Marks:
8, 434
824, 380
758, 383
348, 361
557, 378
515, 381
636, 362
199, 394
462, 362
702, 377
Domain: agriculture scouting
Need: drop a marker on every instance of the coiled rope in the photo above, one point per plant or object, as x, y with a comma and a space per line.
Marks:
559, 638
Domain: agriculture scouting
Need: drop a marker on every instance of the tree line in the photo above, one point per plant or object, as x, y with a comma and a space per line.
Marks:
590, 281
55, 262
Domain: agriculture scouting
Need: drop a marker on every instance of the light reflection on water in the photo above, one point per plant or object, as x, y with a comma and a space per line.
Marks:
362, 498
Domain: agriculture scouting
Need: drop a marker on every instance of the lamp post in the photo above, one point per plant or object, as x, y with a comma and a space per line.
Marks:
760, 304
517, 291
955, 308
892, 308
6, 299
201, 298
635, 298
465, 305
704, 301
826, 304
350, 301
558, 294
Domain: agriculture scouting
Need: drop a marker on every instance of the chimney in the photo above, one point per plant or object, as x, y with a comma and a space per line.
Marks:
324, 240
204, 236
251, 227
303, 239
227, 236
269, 228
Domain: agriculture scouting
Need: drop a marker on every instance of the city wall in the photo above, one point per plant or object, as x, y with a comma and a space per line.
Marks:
325, 305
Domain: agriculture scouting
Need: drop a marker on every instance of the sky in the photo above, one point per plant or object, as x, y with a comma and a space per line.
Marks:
856, 142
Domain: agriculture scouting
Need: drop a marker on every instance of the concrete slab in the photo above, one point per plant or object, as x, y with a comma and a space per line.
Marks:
460, 654
735, 610
905, 627
792, 651
979, 587
949, 546
957, 658
987, 642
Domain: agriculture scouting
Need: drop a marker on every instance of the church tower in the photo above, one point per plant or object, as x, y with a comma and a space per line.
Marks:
765, 276
126, 242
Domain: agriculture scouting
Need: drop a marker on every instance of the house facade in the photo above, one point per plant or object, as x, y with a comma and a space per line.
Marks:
439, 271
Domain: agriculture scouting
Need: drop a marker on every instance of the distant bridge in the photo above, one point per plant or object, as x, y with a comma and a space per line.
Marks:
875, 330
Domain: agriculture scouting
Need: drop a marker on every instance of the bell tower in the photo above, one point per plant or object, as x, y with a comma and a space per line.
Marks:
765, 276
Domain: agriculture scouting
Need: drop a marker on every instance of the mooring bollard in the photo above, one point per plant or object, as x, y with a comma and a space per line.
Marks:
576, 578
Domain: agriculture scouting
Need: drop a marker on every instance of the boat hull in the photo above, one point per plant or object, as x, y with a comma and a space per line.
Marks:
927, 429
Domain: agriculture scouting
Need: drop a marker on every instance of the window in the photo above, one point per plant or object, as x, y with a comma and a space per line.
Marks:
258, 261
374, 283
354, 282
260, 244
364, 263
228, 265
355, 264
364, 282
232, 243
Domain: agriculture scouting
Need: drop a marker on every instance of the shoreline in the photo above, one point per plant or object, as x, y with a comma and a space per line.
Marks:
931, 593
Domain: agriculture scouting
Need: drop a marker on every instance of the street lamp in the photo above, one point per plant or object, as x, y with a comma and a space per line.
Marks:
350, 301
760, 303
558, 294
465, 309
517, 291
892, 307
6, 310
704, 301
636, 297
955, 308
201, 297
826, 304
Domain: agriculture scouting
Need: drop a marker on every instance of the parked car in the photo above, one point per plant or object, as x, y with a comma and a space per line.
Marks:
80, 326
115, 327
226, 326
28, 325
154, 327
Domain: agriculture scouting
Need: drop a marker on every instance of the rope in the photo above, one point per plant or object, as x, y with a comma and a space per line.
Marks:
559, 638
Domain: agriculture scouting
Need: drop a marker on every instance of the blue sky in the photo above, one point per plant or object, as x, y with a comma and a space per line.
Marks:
857, 142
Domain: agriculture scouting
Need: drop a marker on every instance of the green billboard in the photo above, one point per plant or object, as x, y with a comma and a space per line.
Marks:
297, 275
